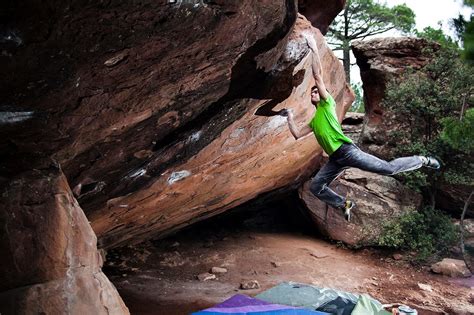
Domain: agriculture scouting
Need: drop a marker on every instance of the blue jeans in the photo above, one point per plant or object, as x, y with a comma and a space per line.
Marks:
349, 155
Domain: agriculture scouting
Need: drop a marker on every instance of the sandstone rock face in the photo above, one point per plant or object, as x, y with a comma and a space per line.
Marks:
378, 198
451, 267
150, 107
50, 263
321, 13
255, 154
381, 60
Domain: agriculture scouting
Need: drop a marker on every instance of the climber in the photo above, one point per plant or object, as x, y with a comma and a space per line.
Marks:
343, 153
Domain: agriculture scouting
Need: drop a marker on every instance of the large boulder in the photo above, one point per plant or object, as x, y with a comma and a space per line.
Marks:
151, 107
379, 199
254, 155
452, 268
50, 263
321, 13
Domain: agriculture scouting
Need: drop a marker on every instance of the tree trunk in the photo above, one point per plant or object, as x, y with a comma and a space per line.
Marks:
346, 45
347, 61
463, 251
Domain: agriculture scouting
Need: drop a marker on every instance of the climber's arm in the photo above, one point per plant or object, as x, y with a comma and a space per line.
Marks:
317, 68
295, 131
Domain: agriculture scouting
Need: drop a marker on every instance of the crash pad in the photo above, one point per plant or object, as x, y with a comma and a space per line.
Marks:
242, 305
315, 298
310, 297
368, 306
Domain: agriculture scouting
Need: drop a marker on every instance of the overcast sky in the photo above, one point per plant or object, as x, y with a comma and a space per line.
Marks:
429, 13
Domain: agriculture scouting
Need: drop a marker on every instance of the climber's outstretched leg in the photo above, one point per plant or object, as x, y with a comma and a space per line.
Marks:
350, 155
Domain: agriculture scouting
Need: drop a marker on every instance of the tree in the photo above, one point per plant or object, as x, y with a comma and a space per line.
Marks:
466, 31
362, 18
438, 36
432, 108
434, 117
358, 104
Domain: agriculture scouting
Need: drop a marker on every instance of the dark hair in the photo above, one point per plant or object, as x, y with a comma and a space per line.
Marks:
314, 88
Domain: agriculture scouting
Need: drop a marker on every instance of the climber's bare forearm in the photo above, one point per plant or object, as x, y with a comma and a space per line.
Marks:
295, 131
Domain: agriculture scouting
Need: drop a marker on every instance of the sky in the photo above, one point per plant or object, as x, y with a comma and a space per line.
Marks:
430, 12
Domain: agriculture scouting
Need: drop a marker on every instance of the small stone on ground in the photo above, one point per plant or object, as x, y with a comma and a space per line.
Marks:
250, 285
425, 287
206, 276
218, 270
397, 256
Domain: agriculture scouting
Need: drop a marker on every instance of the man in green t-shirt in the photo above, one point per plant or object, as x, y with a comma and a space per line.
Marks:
342, 152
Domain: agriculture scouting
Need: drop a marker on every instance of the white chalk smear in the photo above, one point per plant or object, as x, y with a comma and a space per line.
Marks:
138, 173
276, 122
10, 36
195, 136
195, 3
176, 176
237, 132
14, 117
292, 50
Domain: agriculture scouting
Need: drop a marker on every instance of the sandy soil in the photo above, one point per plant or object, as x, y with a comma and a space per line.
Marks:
270, 246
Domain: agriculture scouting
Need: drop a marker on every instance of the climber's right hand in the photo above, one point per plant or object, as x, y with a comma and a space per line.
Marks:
284, 112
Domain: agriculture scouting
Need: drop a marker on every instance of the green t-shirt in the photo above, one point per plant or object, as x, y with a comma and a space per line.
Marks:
326, 127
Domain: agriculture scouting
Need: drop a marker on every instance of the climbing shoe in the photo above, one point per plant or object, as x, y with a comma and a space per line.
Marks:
430, 162
347, 209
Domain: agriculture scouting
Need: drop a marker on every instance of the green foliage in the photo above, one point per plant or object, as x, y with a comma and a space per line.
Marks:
362, 18
428, 232
414, 180
358, 104
465, 31
437, 35
459, 25
428, 104
459, 133
368, 17
468, 39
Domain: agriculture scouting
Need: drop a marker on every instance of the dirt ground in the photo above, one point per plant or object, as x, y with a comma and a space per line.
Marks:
270, 246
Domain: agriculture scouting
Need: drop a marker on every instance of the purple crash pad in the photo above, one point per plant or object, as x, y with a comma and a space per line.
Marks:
242, 304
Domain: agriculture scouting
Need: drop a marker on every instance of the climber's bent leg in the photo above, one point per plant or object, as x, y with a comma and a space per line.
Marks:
319, 184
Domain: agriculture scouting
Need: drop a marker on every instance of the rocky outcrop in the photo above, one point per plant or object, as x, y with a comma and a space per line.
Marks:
50, 263
381, 60
379, 199
321, 13
155, 128
255, 154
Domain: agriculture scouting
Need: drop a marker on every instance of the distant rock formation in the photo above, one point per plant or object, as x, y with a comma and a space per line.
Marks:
381, 60
49, 259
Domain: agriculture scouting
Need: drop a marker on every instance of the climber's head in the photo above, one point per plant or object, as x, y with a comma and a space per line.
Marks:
314, 95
